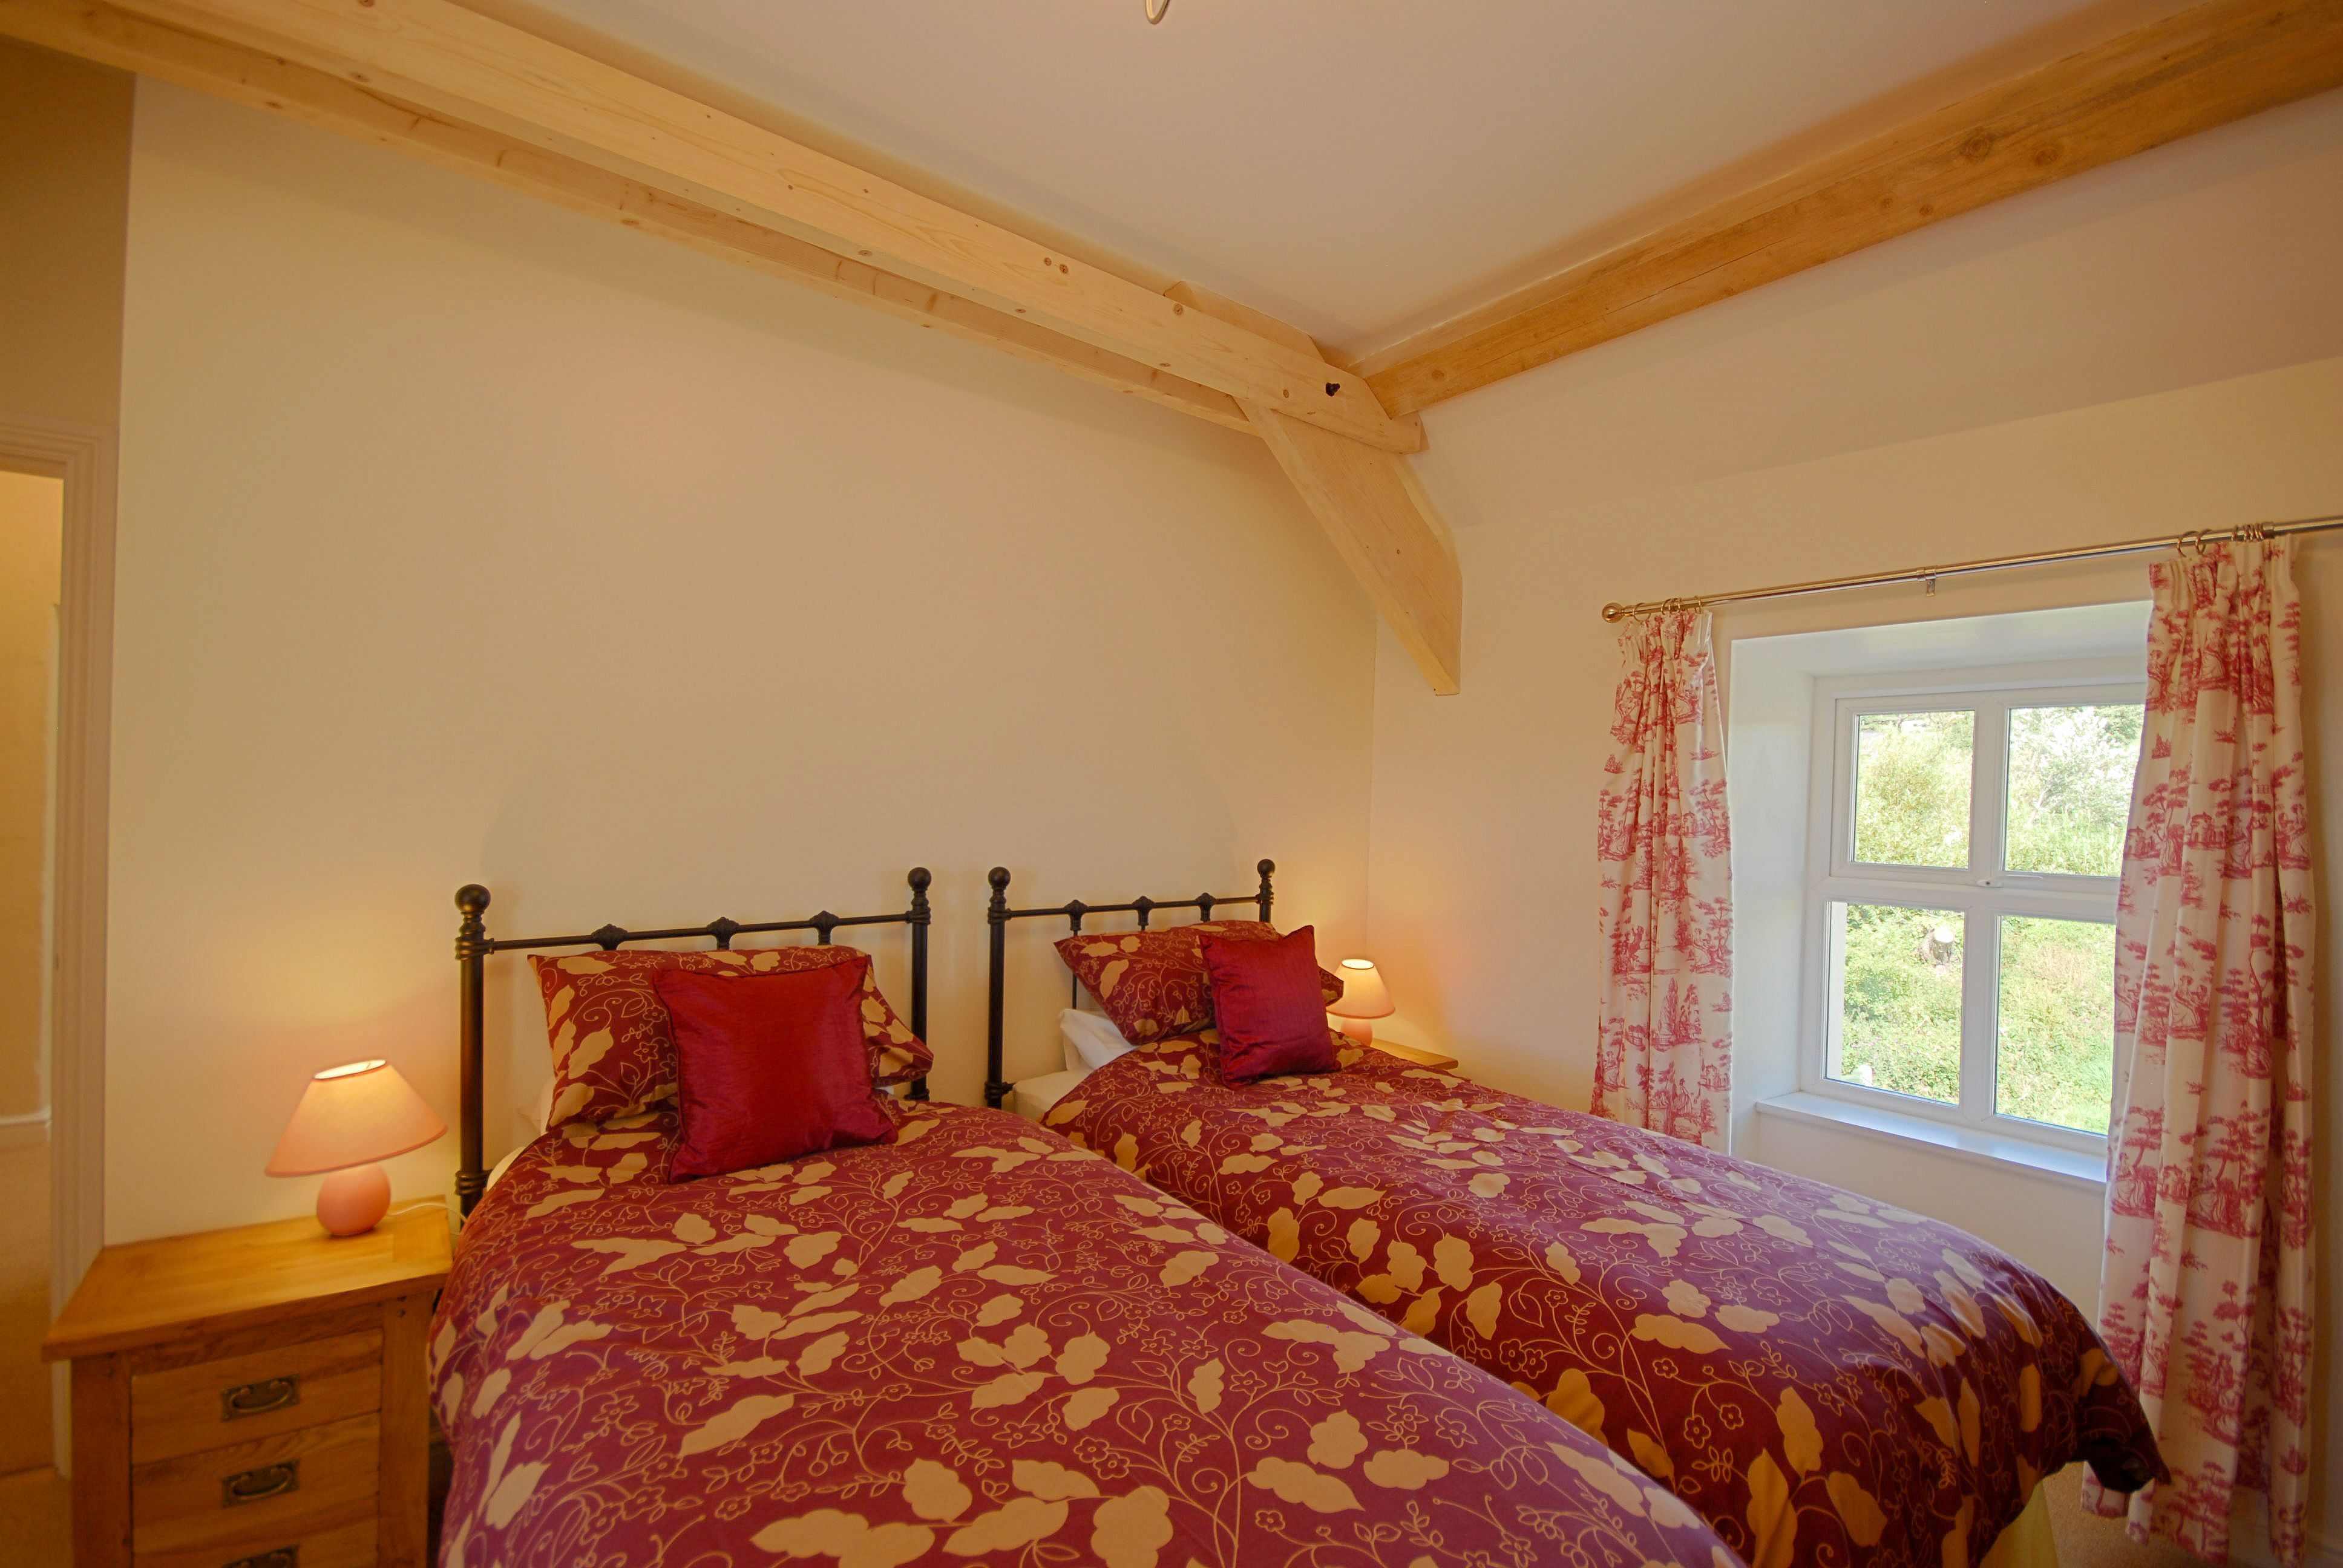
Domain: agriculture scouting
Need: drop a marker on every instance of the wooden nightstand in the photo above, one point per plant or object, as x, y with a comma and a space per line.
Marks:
254, 1398
1438, 1061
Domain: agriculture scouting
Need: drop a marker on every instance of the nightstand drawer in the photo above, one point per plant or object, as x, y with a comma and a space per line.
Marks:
347, 1540
248, 1490
241, 1399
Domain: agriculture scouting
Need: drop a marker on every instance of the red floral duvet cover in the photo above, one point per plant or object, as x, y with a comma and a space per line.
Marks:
1825, 1378
975, 1343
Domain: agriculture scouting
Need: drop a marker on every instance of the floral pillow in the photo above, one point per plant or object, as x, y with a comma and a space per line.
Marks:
614, 1045
1152, 983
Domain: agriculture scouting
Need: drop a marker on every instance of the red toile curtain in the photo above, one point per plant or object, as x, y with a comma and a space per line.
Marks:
1665, 1057
2205, 1292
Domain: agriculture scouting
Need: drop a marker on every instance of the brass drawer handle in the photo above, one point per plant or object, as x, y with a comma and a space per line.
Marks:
283, 1557
259, 1399
254, 1485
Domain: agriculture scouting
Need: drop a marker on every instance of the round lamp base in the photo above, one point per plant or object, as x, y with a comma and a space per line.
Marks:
1359, 1031
350, 1201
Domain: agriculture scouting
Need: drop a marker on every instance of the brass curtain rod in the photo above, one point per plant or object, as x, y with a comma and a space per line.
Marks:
2195, 538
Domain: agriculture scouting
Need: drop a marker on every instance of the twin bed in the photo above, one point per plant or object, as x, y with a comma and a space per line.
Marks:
970, 1341
978, 1340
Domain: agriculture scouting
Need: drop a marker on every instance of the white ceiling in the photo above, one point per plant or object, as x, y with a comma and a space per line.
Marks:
1360, 168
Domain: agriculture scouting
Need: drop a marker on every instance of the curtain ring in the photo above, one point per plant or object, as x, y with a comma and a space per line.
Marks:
1157, 10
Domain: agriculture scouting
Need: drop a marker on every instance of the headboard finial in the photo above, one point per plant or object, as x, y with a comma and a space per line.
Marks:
472, 930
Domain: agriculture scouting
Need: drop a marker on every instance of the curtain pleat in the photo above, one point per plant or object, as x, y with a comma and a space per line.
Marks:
1664, 1058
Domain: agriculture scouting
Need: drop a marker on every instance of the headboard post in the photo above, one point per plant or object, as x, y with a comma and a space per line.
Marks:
471, 956
997, 914
919, 919
1267, 868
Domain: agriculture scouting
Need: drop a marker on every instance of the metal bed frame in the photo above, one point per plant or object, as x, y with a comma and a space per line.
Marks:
999, 914
472, 946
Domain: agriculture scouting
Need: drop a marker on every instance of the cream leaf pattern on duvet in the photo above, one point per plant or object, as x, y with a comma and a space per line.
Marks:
1061, 1365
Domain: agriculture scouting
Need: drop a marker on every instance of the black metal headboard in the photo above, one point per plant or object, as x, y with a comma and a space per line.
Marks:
999, 914
472, 946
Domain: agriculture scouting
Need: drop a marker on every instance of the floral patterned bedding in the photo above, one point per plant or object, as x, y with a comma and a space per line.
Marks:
974, 1344
1825, 1378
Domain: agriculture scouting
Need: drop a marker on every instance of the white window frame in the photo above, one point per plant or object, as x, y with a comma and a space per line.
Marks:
1980, 892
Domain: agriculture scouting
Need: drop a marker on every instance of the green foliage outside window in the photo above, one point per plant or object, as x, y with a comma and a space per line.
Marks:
2058, 1022
1900, 1000
1912, 787
2070, 772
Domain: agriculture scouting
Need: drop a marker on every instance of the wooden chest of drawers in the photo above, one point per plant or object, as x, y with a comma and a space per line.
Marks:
254, 1398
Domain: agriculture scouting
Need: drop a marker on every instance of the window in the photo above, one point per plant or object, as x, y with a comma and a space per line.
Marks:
1963, 880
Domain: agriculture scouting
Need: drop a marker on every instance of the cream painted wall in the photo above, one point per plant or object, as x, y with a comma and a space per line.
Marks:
2144, 349
65, 162
462, 538
32, 518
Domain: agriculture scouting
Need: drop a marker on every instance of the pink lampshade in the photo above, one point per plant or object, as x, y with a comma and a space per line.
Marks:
1363, 995
353, 1115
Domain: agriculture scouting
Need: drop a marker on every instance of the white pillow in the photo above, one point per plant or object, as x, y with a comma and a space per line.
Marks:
532, 1122
540, 1110
1091, 1040
504, 1165
1031, 1098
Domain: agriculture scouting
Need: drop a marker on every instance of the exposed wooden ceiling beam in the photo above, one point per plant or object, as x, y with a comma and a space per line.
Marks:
1372, 508
112, 36
1386, 531
2189, 72
481, 72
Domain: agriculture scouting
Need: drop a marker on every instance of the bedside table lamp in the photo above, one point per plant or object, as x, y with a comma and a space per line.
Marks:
349, 1117
1364, 998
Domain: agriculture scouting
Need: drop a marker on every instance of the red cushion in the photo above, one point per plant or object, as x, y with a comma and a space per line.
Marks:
769, 1066
613, 1054
1271, 1011
1152, 983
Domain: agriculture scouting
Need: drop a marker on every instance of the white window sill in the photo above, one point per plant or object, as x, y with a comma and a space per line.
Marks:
2019, 1156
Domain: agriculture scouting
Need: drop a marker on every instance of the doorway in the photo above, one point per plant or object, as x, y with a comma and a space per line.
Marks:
31, 531
57, 508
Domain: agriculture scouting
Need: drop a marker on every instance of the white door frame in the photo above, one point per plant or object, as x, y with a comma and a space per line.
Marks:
83, 457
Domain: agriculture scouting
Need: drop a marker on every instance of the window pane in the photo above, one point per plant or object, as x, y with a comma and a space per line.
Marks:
1899, 1023
2070, 773
1912, 787
2057, 1053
